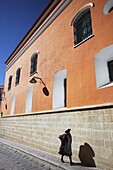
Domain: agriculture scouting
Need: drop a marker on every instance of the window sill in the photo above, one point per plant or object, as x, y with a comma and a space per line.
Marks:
83, 41
33, 73
16, 84
106, 85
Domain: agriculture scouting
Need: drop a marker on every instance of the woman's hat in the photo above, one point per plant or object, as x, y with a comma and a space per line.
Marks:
68, 130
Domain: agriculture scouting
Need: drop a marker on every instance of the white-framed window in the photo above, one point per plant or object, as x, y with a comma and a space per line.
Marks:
82, 24
103, 61
33, 67
17, 76
29, 97
59, 90
10, 82
108, 7
13, 105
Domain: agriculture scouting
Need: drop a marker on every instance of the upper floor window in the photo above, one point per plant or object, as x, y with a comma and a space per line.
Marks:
9, 83
111, 9
108, 7
33, 63
103, 61
17, 76
82, 26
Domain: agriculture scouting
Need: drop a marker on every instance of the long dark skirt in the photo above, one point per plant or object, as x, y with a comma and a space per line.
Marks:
65, 149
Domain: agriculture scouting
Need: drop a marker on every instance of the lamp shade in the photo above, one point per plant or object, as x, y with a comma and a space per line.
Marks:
33, 80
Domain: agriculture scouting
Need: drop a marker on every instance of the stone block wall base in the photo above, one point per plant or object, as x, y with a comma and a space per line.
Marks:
94, 127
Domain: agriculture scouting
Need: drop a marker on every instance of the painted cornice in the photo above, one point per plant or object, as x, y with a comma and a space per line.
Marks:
43, 16
57, 12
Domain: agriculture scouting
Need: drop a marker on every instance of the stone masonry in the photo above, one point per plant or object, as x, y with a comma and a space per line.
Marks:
41, 130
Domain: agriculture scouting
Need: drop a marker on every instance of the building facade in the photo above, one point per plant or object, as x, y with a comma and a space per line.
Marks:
61, 75
54, 51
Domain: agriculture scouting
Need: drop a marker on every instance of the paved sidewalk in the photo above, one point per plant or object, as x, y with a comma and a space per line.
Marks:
47, 157
13, 159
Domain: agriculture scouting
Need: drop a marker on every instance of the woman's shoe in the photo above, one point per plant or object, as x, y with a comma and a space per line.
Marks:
72, 163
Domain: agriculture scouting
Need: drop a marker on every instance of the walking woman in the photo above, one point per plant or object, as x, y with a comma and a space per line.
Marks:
65, 148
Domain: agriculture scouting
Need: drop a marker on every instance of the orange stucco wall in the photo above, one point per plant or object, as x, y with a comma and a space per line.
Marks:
56, 52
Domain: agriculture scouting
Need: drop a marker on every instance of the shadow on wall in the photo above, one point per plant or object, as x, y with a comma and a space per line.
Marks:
86, 155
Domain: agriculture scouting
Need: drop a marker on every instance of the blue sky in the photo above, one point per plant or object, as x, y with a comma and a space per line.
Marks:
16, 18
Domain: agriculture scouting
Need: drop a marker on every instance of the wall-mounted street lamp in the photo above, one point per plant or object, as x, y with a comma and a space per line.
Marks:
45, 90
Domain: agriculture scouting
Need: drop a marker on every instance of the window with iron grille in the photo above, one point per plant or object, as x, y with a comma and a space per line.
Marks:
17, 76
9, 83
82, 26
33, 64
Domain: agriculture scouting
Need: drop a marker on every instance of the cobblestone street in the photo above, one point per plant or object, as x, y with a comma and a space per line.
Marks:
12, 159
